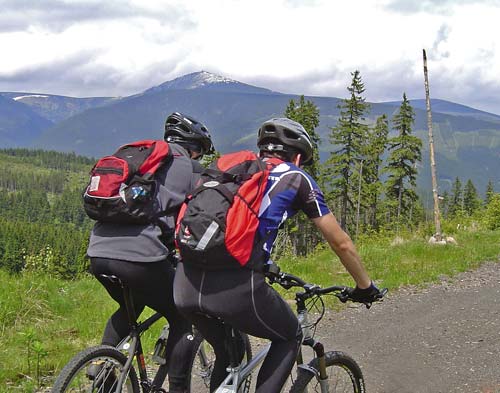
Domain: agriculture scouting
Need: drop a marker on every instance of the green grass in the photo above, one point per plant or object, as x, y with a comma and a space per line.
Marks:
50, 319
414, 262
53, 319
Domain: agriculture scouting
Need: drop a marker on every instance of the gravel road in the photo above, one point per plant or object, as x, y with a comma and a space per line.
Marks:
444, 338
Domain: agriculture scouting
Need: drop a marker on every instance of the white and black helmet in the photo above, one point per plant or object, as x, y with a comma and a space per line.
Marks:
288, 136
189, 132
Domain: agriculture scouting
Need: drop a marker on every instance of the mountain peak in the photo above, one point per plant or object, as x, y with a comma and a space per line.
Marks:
203, 78
207, 80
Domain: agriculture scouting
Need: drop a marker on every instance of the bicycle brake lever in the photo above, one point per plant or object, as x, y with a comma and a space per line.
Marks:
377, 298
380, 296
343, 296
286, 285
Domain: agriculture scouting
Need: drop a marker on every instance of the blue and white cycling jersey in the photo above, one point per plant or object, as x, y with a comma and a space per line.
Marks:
289, 189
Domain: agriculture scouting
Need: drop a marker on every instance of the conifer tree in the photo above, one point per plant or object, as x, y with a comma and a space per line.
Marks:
456, 202
307, 114
303, 236
374, 150
490, 190
348, 138
471, 198
405, 152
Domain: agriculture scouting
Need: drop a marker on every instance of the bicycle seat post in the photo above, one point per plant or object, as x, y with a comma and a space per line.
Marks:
127, 298
129, 305
232, 346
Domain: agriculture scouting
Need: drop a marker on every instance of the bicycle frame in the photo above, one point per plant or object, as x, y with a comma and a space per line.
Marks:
238, 374
132, 343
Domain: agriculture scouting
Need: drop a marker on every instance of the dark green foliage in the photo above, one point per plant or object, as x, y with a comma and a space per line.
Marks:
307, 114
490, 190
348, 138
49, 159
56, 249
42, 223
209, 158
456, 202
471, 198
493, 212
405, 153
302, 235
372, 168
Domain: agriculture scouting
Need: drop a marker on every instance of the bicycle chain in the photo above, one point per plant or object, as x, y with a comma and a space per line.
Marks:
248, 383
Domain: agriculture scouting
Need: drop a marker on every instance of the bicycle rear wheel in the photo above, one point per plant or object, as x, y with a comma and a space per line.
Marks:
344, 375
202, 363
96, 370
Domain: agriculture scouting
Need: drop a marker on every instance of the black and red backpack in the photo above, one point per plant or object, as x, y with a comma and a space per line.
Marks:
122, 186
217, 225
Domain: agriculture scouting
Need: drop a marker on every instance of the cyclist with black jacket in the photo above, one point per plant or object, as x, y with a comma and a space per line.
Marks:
141, 254
241, 296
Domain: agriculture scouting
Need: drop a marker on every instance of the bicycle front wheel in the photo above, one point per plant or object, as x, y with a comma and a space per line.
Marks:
202, 363
344, 375
96, 370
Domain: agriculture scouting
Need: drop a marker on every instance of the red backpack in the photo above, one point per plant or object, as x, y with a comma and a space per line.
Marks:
217, 225
122, 187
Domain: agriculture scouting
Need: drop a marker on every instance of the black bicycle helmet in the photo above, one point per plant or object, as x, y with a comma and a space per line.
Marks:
188, 131
283, 134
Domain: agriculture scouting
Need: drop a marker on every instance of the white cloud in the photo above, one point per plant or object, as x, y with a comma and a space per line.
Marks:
295, 46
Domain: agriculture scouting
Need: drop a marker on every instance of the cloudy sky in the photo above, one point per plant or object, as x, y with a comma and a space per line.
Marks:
86, 48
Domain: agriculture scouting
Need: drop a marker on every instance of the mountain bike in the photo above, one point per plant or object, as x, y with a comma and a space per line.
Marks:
327, 372
107, 369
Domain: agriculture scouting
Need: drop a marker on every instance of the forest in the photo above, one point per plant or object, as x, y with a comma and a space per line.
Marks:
369, 181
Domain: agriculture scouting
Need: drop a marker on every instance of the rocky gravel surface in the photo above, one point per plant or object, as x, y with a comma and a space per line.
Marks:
442, 338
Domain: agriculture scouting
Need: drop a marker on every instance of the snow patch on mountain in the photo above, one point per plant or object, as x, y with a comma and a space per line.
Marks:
203, 78
207, 80
29, 96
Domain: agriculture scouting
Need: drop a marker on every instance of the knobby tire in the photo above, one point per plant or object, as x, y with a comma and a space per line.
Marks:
337, 363
69, 379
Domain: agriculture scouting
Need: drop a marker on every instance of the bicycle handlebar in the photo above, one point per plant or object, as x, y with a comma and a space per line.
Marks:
288, 280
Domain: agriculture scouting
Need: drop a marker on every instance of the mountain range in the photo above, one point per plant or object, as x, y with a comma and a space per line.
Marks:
467, 141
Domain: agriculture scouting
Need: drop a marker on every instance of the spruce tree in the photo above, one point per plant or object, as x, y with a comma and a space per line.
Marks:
307, 114
405, 152
456, 202
374, 150
302, 234
348, 138
490, 190
471, 198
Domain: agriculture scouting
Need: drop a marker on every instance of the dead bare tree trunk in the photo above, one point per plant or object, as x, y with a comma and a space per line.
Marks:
437, 220
359, 198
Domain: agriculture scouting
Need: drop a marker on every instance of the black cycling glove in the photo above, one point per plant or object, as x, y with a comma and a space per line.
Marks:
367, 295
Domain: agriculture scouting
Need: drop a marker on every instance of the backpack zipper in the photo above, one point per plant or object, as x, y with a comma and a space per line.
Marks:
108, 170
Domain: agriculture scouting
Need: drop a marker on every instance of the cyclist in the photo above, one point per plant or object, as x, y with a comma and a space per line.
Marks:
142, 255
241, 296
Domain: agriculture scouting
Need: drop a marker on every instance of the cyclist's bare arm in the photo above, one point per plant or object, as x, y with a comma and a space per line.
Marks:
342, 245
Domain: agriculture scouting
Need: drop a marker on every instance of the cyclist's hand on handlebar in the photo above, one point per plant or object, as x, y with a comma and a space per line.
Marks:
366, 296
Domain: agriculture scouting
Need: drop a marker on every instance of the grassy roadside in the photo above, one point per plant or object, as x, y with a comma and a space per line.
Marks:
44, 321
412, 262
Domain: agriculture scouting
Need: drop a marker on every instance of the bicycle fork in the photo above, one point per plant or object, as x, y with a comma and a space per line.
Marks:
317, 347
320, 373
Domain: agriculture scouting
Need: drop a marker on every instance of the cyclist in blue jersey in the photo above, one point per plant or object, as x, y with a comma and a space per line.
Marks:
242, 297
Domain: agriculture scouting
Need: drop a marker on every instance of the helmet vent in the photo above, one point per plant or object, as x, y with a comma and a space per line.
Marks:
290, 134
269, 128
